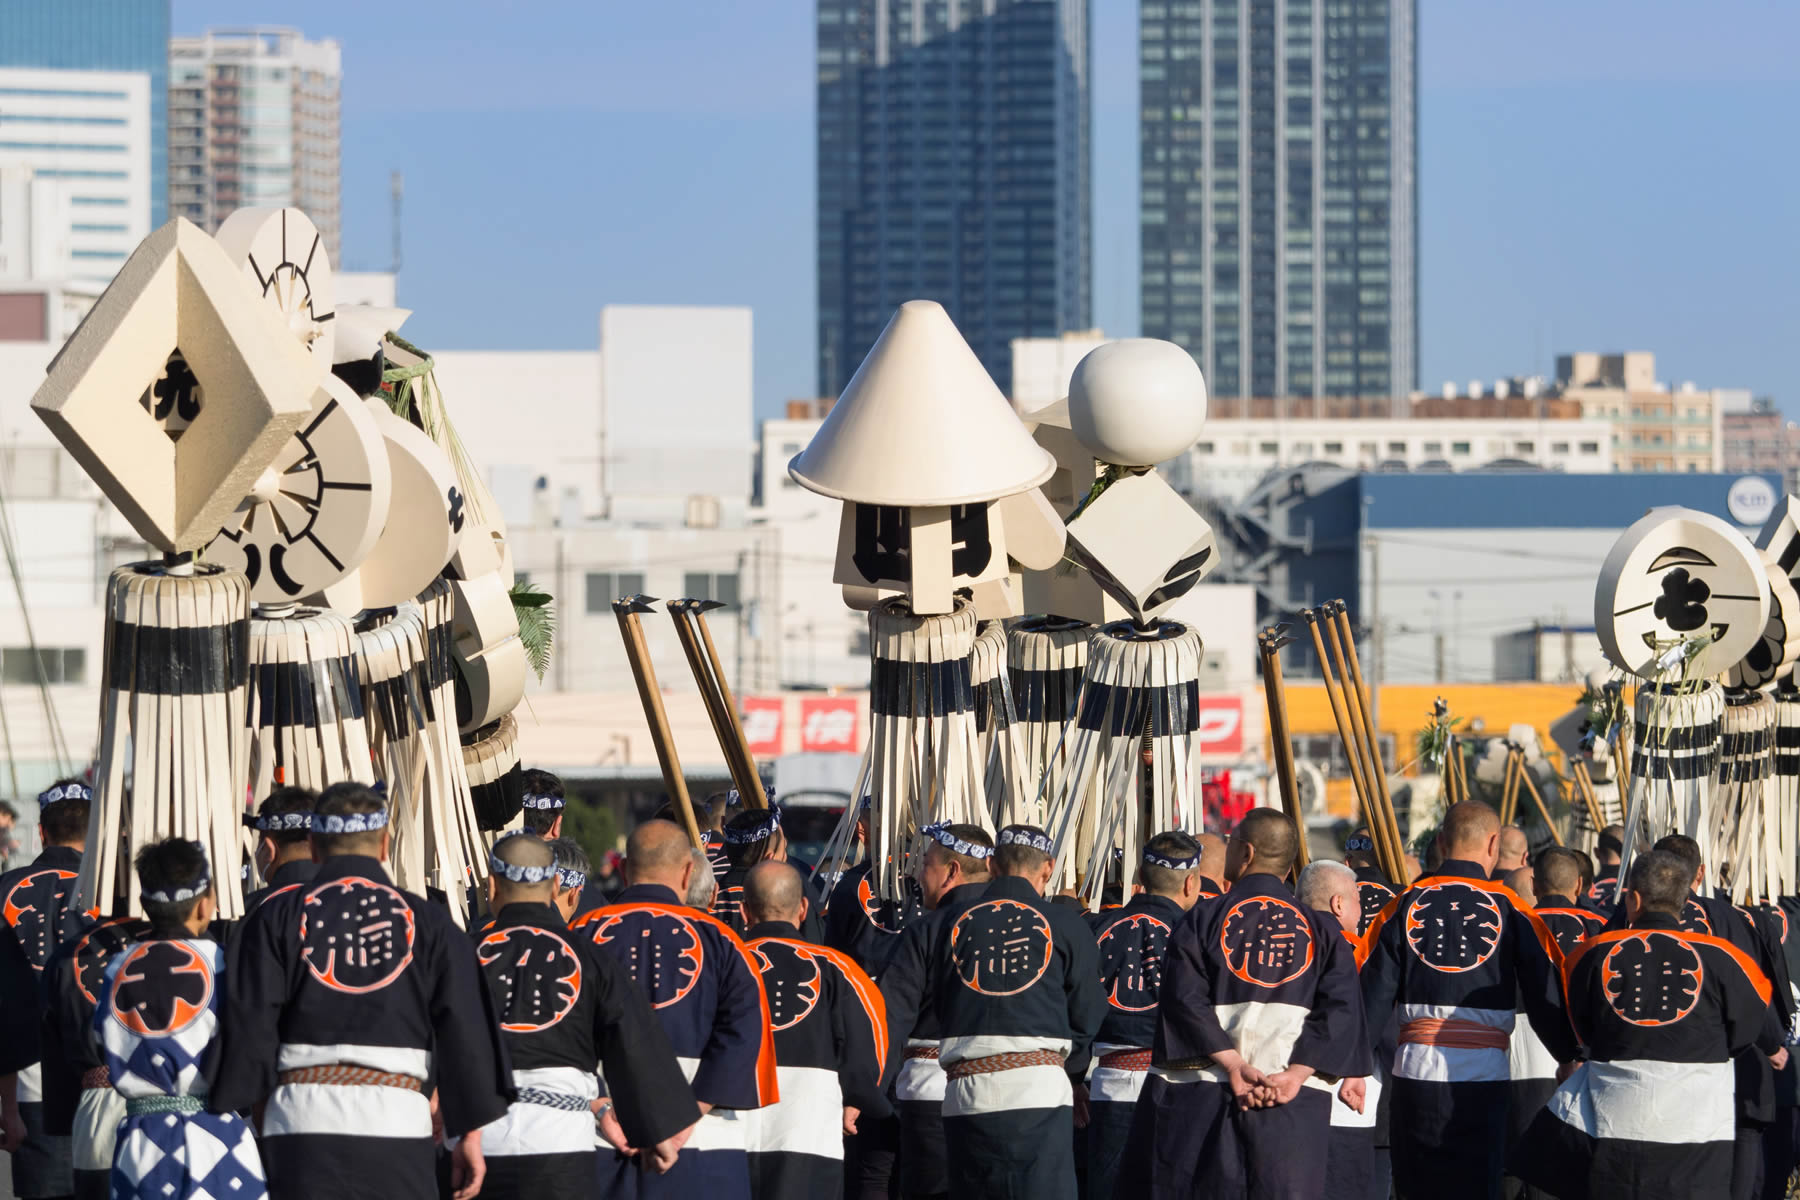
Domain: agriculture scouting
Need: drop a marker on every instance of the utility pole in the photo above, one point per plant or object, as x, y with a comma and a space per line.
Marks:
1437, 644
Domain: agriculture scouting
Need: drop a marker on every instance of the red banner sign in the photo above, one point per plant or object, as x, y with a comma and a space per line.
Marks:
762, 725
1221, 725
830, 723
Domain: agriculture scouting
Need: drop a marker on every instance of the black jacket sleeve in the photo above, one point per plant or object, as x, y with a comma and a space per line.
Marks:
474, 1074
650, 1094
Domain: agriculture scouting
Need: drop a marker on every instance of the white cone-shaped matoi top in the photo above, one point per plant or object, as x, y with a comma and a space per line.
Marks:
921, 424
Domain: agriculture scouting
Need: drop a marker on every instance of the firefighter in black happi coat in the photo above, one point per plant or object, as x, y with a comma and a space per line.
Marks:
862, 925
38, 916
1455, 958
1602, 893
347, 997
1015, 983
830, 1045
565, 1008
1703, 912
754, 836
1661, 1011
1373, 888
1257, 1022
1132, 941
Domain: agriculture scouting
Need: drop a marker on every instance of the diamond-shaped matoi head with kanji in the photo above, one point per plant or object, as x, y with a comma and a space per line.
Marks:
180, 332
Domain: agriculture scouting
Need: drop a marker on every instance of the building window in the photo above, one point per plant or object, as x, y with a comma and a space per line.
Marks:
1559, 447
1459, 447
1396, 447
699, 585
1525, 448
1204, 447
603, 587
59, 666
1434, 447
1269, 448
1334, 447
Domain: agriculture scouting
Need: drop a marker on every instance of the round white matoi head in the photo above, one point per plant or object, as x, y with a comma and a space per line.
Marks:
1675, 575
284, 256
1137, 402
921, 424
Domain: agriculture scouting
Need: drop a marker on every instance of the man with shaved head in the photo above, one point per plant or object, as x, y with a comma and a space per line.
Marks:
565, 1008
1212, 865
1455, 959
1515, 848
709, 998
830, 1043
1256, 1019
1354, 1164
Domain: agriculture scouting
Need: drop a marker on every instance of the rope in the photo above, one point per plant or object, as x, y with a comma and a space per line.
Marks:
559, 1100
149, 1106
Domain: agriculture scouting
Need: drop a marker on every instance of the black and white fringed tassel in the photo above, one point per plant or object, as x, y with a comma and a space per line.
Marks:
455, 853
306, 703
1743, 819
1674, 758
496, 777
1142, 693
1046, 661
1785, 783
174, 746
924, 764
997, 733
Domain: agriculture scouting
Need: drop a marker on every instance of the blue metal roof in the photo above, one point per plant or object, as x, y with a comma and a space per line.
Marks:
1522, 499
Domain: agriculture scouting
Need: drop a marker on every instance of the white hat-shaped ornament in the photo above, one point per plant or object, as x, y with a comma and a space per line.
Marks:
919, 447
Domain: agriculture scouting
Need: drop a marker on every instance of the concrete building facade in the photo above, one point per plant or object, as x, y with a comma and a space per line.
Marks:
1279, 191
1654, 428
254, 123
76, 155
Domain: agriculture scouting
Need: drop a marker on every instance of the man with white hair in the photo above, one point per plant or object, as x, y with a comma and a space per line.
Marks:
1351, 1158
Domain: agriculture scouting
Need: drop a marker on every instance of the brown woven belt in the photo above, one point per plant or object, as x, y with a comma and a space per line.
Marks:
342, 1074
95, 1078
921, 1052
963, 1068
1127, 1060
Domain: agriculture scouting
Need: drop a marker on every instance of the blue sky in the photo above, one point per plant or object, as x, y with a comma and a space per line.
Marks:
1602, 174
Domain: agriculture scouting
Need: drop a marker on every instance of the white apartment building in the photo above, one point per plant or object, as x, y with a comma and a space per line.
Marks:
254, 123
1233, 454
74, 172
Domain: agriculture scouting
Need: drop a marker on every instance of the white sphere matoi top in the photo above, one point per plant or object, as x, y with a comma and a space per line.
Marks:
1137, 402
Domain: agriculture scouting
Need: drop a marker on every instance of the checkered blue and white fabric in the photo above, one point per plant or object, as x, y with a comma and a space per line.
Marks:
157, 1022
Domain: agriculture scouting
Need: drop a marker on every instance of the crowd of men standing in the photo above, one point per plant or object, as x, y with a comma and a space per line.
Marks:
723, 1022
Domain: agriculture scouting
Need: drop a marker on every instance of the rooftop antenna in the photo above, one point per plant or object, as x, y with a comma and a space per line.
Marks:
397, 188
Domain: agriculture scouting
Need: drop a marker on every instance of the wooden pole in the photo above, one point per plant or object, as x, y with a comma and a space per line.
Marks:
718, 705
1345, 643
1281, 745
637, 653
1584, 783
755, 797
1506, 786
1337, 711
1537, 798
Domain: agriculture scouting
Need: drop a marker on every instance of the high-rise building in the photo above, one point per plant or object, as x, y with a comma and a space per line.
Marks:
96, 35
1279, 193
75, 154
953, 166
253, 123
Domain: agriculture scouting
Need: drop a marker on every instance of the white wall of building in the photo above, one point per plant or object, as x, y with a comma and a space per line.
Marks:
85, 135
1233, 454
1042, 366
675, 397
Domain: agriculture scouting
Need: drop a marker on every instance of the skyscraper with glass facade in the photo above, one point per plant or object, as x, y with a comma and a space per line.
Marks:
953, 166
1279, 193
99, 35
